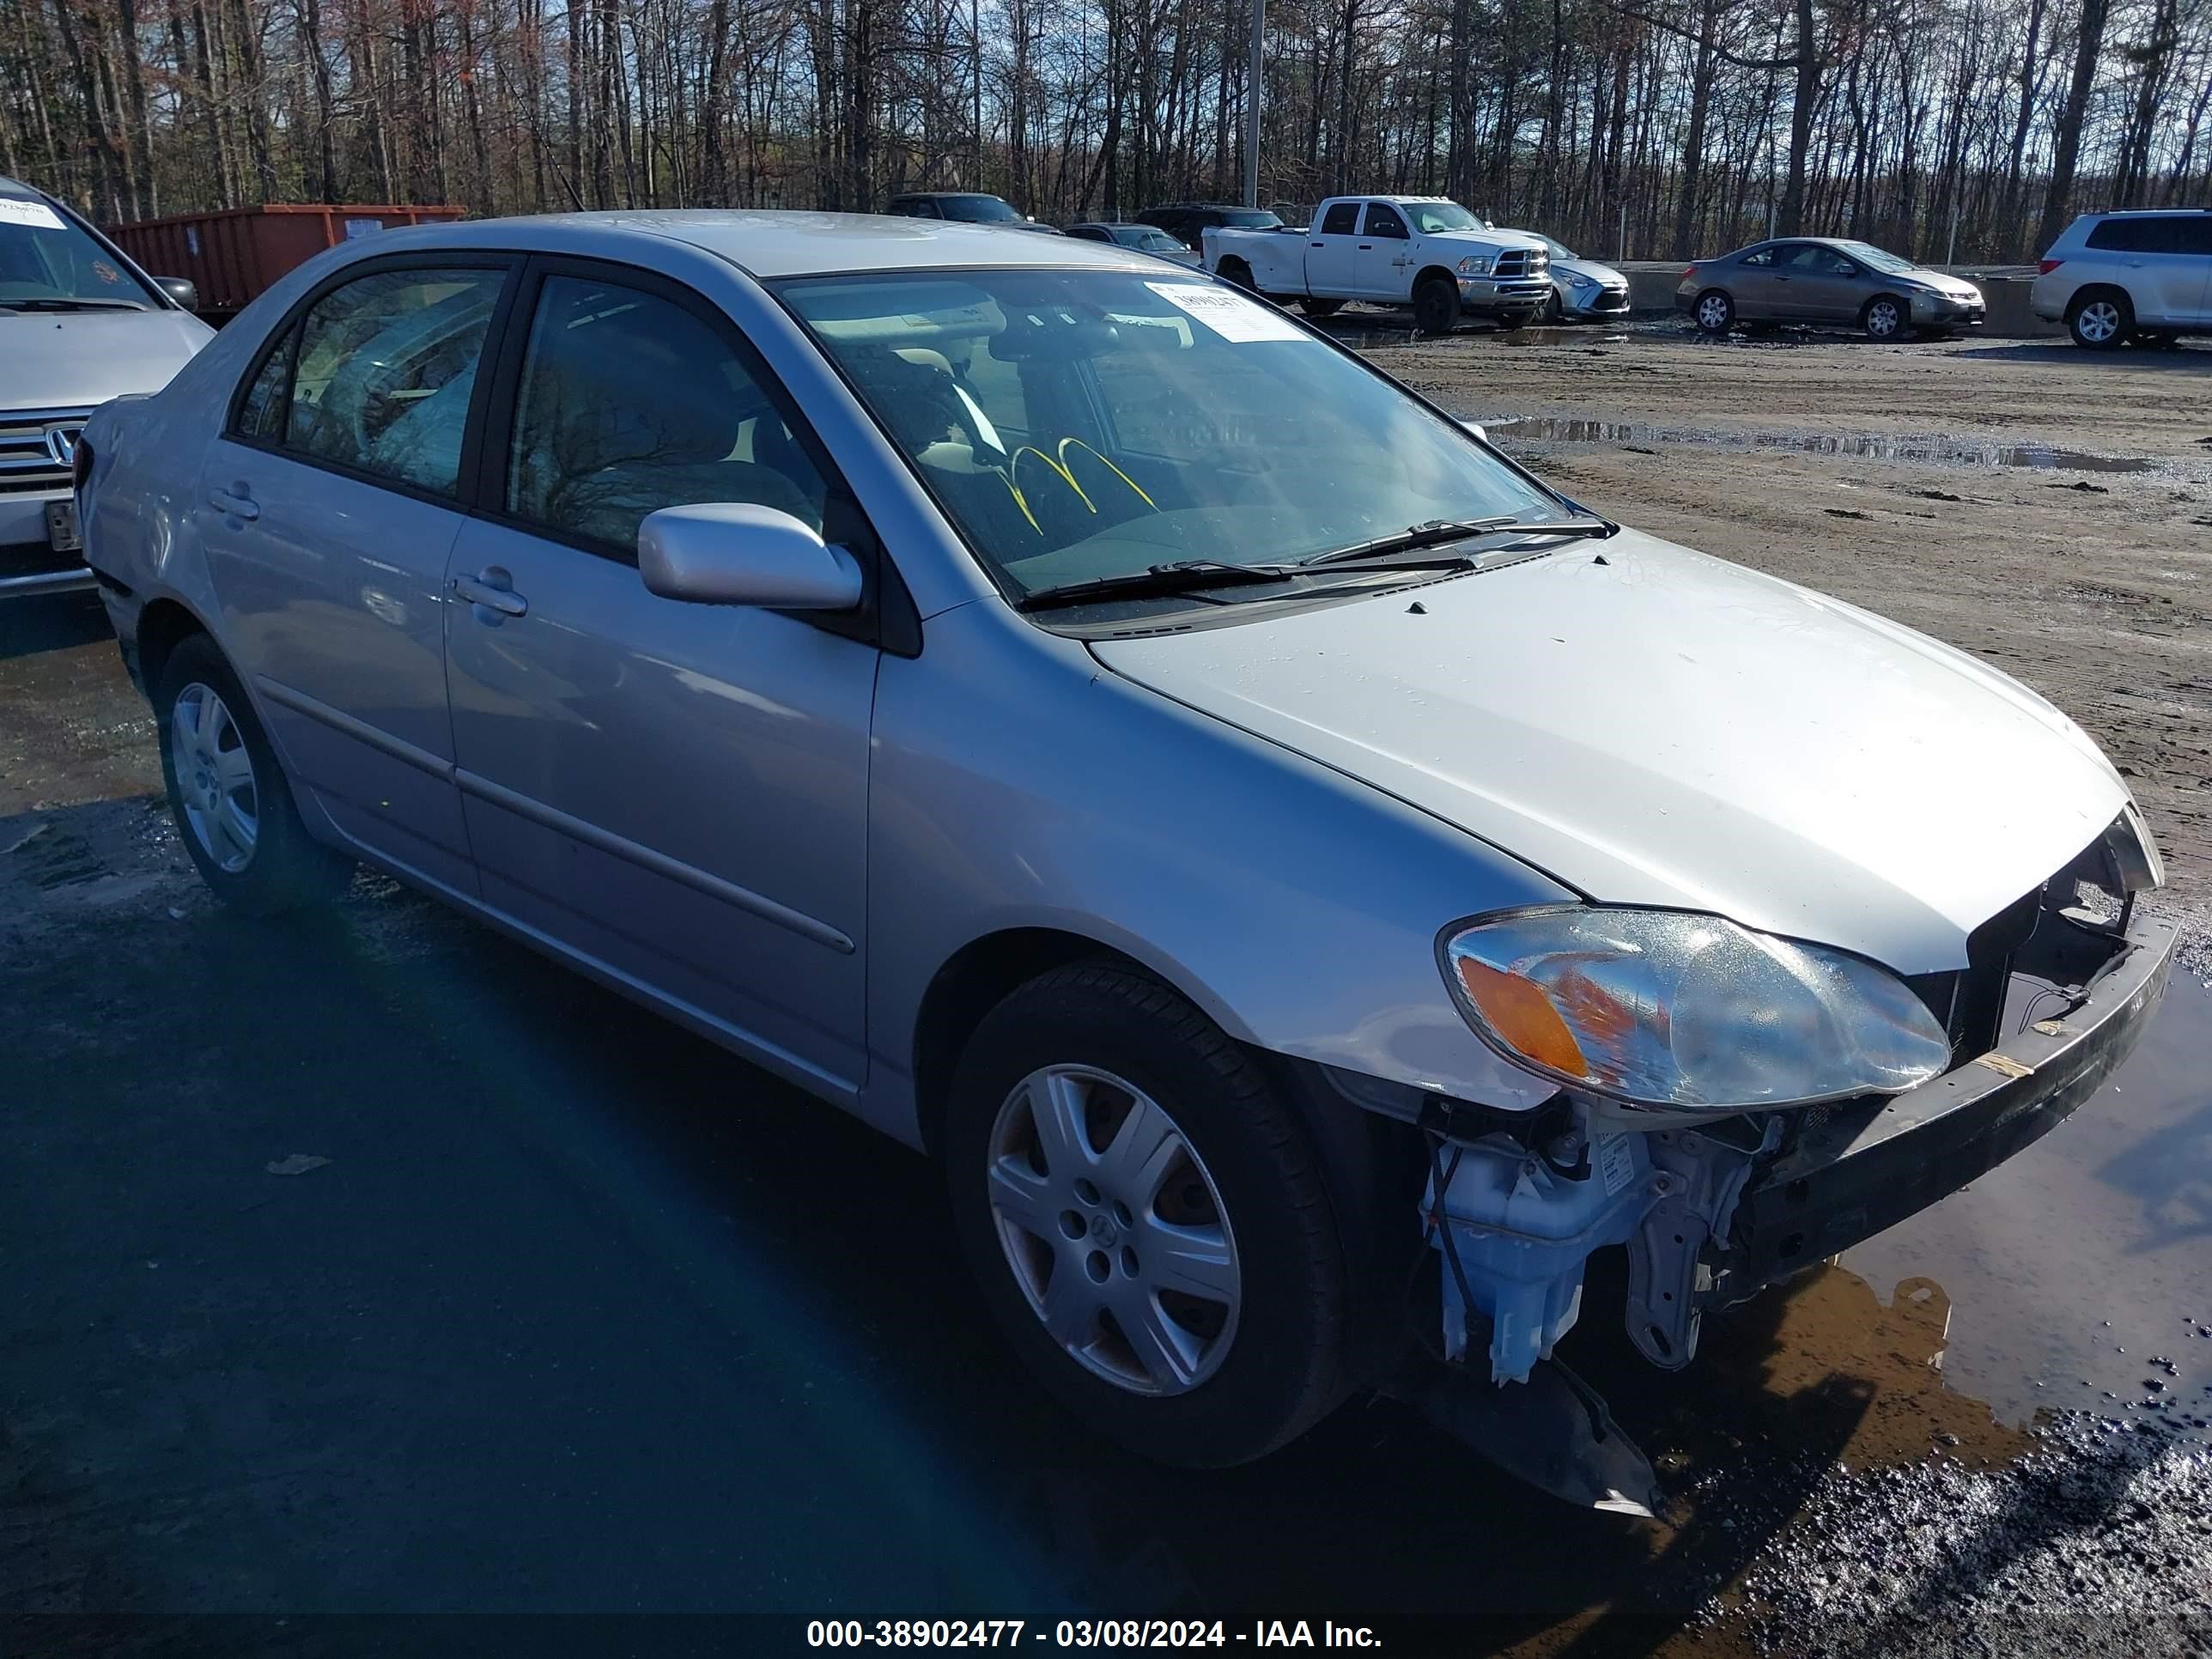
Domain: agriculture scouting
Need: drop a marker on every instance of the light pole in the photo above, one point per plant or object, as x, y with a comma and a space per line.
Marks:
1252, 106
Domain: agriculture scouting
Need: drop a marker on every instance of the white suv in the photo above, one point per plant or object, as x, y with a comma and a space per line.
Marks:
2114, 276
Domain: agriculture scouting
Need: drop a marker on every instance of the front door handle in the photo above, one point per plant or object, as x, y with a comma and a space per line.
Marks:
236, 502
491, 590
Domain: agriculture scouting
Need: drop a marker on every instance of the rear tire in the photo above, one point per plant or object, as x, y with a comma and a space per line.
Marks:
1510, 322
231, 800
1435, 305
1238, 274
2100, 320
1220, 1190
1320, 309
1714, 313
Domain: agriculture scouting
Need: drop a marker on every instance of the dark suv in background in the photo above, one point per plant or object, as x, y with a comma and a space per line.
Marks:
1187, 222
967, 207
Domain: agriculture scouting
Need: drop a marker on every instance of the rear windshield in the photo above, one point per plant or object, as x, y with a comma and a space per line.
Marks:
1249, 219
47, 260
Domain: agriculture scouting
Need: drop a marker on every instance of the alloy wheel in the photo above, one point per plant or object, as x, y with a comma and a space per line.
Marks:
214, 777
1713, 313
2098, 321
1882, 320
1114, 1230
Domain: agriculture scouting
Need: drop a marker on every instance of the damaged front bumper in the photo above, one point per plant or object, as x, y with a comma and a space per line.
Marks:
1854, 1171
1711, 1213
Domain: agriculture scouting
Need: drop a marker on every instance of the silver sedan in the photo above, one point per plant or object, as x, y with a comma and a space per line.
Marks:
1307, 882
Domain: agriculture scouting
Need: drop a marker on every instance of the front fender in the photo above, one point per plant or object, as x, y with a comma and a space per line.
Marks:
1017, 783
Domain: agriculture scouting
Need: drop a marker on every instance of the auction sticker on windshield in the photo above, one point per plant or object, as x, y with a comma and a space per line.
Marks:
1228, 313
14, 211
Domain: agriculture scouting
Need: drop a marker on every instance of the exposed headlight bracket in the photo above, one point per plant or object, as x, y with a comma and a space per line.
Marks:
1669, 1285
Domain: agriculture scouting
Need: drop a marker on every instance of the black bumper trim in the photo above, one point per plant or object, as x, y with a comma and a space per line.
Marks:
1870, 1167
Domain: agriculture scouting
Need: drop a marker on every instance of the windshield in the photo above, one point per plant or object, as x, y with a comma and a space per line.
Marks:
1876, 258
1430, 217
1076, 425
1559, 250
44, 257
976, 210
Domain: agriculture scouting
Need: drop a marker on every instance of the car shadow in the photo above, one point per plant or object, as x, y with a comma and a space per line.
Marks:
705, 1275
51, 622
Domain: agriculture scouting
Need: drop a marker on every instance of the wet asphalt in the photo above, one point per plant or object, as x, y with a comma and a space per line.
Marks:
368, 1265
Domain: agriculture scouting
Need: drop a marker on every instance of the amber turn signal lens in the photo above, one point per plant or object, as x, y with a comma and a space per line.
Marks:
1522, 1017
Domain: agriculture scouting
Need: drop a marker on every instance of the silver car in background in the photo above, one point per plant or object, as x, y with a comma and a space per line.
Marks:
2139, 274
1309, 884
1828, 280
79, 324
1582, 290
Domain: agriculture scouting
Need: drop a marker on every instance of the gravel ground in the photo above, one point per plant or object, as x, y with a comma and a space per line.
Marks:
2097, 1541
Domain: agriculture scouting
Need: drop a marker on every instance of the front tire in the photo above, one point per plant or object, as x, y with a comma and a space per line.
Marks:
1714, 313
1885, 319
1147, 1219
1435, 305
229, 796
2100, 320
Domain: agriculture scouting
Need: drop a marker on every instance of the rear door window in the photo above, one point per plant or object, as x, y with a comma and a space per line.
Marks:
378, 376
1342, 220
1382, 220
2138, 236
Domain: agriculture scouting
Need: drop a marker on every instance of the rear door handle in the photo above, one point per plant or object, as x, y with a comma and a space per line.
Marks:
235, 502
491, 589
1367, 247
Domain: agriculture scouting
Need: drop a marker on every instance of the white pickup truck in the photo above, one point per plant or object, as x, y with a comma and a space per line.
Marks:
1427, 252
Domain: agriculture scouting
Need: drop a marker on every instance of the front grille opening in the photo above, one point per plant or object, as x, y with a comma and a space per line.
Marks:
2035, 958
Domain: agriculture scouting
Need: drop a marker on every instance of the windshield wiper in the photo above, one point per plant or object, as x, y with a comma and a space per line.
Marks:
1439, 531
1182, 576
68, 305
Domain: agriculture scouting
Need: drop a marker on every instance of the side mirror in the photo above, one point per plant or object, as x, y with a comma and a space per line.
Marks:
1476, 428
736, 553
182, 289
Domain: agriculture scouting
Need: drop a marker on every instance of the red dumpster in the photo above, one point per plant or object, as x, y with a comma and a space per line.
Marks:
232, 254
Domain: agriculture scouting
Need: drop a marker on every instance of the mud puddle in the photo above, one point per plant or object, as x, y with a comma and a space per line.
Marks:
1933, 449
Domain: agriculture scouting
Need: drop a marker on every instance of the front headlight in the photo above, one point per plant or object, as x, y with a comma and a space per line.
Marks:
1580, 280
1475, 265
1663, 1009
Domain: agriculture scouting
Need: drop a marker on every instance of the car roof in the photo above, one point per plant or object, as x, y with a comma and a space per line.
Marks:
771, 244
17, 188
2142, 213
945, 196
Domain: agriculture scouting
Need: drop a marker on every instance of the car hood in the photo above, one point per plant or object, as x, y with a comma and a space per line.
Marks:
1651, 726
1606, 275
1957, 287
1489, 241
78, 359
